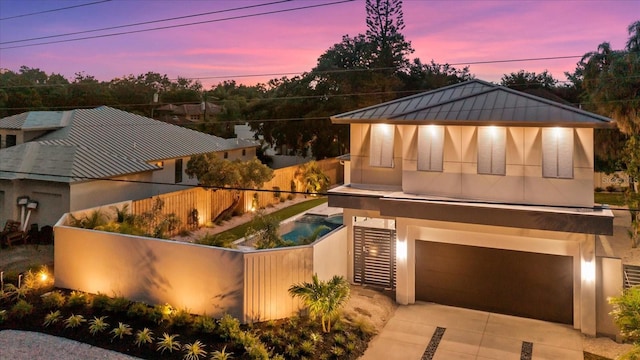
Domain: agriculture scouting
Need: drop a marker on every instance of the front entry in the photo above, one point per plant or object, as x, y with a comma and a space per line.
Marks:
532, 285
374, 256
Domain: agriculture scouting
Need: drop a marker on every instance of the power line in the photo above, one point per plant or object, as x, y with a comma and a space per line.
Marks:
231, 188
180, 25
53, 10
144, 23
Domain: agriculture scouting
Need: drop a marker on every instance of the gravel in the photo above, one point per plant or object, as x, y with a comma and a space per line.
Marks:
27, 345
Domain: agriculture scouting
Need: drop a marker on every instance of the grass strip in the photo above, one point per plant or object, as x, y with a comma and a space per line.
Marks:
282, 214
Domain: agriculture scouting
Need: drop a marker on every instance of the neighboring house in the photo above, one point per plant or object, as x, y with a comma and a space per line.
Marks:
186, 112
78, 159
479, 196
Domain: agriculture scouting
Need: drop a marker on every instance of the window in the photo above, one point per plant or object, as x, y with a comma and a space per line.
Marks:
430, 147
226, 155
557, 153
11, 140
178, 171
244, 152
492, 142
381, 145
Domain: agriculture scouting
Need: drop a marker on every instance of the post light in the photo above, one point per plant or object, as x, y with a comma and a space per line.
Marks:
1, 280
401, 250
588, 271
19, 280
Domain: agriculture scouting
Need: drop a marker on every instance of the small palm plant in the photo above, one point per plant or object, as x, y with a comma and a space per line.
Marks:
97, 325
144, 336
73, 321
221, 354
168, 342
52, 318
120, 331
194, 351
322, 298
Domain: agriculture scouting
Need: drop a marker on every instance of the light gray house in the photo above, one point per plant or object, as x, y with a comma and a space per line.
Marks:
79, 159
479, 196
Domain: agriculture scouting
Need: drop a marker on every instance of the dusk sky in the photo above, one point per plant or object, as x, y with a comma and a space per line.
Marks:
278, 42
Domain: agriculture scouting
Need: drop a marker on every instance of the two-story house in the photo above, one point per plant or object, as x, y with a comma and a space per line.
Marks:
79, 159
478, 196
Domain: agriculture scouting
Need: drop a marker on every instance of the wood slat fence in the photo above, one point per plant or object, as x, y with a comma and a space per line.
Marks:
205, 205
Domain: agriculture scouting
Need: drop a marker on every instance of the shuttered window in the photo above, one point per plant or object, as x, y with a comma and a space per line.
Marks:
430, 147
492, 143
381, 145
557, 153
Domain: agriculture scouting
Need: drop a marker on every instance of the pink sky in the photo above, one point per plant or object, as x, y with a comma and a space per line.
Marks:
455, 32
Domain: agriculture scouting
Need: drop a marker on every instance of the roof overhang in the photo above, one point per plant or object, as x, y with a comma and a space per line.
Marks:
512, 123
596, 221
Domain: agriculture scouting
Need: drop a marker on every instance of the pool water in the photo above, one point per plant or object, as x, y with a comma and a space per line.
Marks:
306, 225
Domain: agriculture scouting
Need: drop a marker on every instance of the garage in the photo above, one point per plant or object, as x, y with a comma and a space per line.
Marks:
532, 285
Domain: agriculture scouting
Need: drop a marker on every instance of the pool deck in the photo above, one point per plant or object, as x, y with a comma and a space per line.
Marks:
324, 210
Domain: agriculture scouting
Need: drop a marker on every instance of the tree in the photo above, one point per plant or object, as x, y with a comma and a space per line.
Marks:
235, 175
384, 23
322, 298
627, 318
524, 80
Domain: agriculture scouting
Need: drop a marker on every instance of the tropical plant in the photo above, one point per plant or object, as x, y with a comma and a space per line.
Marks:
144, 336
89, 221
98, 325
121, 331
100, 301
168, 342
138, 310
73, 321
312, 178
52, 318
181, 318
194, 351
221, 354
263, 230
322, 298
219, 240
118, 304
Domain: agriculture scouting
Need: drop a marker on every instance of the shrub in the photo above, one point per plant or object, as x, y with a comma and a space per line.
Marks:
181, 318
118, 305
599, 189
76, 299
21, 309
611, 188
52, 318
73, 321
144, 336
138, 310
625, 313
204, 324
337, 351
292, 351
307, 347
229, 327
3, 316
339, 339
219, 240
159, 313
97, 325
53, 300
100, 301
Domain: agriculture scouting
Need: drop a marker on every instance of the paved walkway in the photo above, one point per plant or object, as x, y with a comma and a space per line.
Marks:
429, 331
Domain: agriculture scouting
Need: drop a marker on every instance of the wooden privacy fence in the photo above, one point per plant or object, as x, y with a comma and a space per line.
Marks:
208, 204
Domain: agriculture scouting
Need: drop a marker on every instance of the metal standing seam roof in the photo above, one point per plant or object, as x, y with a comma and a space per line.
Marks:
475, 102
36, 120
103, 142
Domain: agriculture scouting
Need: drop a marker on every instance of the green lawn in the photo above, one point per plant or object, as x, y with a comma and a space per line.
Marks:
614, 198
239, 231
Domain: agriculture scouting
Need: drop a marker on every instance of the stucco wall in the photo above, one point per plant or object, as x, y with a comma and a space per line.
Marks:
200, 278
53, 200
522, 183
330, 255
90, 194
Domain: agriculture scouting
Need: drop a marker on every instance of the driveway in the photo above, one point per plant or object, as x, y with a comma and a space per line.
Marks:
430, 331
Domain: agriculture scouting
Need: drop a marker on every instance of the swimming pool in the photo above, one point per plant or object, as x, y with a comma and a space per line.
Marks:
307, 224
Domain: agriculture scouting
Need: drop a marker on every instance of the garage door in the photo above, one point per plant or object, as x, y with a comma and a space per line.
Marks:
537, 286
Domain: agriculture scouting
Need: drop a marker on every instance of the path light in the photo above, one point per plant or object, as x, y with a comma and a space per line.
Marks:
19, 280
1, 280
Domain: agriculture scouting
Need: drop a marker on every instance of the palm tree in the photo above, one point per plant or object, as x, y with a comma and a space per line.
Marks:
322, 298
633, 44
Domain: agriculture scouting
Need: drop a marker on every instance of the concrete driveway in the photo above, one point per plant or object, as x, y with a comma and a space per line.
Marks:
429, 331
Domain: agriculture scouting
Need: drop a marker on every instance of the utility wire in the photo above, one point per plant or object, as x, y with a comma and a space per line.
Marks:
231, 188
53, 10
180, 25
144, 23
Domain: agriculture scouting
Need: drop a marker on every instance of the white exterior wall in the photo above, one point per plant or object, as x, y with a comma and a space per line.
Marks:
53, 200
361, 171
523, 181
90, 194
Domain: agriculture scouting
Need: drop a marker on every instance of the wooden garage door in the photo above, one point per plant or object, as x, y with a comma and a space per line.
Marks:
537, 286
